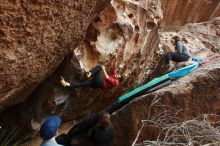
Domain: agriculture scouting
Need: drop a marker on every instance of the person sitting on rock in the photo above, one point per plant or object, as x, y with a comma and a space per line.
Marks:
181, 54
98, 79
49, 130
102, 134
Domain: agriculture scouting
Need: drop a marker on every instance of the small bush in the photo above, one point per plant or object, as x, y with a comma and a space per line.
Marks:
201, 130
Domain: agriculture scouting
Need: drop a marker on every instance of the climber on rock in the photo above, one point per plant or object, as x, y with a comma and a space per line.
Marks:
181, 54
49, 130
97, 78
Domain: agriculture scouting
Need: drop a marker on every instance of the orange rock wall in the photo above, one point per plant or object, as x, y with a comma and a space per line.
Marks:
34, 38
41, 39
180, 12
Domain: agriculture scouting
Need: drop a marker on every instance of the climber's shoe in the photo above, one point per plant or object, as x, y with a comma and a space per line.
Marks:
64, 83
88, 74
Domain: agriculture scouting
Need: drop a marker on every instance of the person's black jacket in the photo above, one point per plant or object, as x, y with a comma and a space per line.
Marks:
102, 136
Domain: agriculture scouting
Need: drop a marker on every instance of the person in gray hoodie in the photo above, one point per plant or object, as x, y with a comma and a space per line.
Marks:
182, 53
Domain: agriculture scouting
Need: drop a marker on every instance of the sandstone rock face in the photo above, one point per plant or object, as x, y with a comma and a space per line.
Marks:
194, 95
207, 32
180, 12
35, 36
118, 29
78, 38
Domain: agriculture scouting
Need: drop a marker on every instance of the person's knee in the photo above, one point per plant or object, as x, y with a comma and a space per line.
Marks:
167, 56
99, 66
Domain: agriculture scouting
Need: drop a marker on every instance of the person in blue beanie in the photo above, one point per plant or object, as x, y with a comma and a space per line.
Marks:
49, 130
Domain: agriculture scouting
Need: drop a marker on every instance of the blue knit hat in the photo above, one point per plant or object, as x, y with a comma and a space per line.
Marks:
49, 127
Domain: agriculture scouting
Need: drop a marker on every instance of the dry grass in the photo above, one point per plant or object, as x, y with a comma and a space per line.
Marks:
173, 131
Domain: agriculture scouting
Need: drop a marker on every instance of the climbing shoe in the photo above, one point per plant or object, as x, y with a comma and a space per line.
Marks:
88, 74
170, 67
64, 83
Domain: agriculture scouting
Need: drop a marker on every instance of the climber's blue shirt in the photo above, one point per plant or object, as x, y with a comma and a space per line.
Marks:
51, 142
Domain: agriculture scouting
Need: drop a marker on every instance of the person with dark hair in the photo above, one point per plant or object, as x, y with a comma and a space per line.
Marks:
99, 79
102, 134
49, 130
181, 54
185, 40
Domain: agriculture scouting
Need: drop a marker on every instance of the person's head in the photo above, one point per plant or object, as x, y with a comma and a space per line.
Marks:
49, 127
104, 120
175, 39
185, 40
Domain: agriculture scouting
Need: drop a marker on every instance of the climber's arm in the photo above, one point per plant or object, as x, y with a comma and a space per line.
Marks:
104, 72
